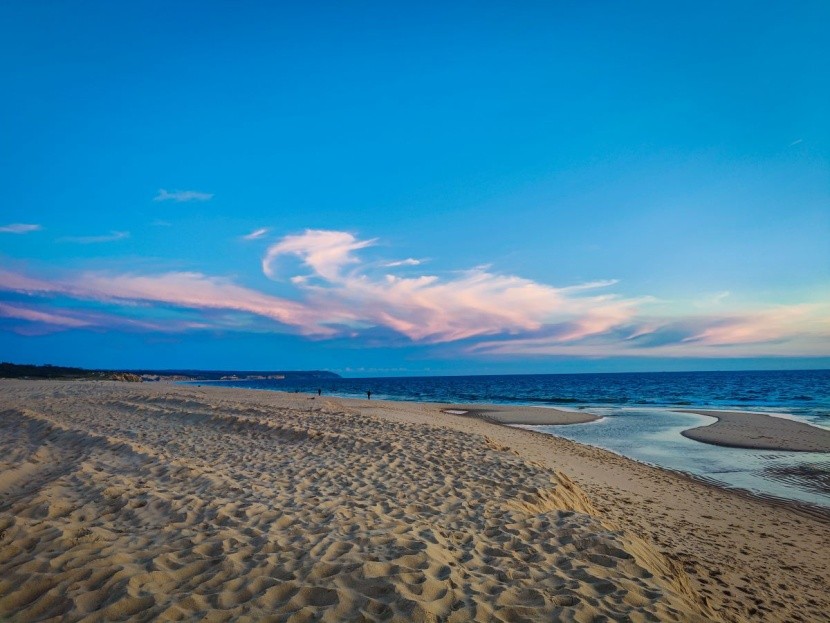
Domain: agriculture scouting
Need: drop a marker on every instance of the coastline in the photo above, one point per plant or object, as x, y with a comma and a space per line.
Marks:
758, 431
712, 553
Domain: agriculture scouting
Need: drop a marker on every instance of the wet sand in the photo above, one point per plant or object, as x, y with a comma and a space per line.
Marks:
164, 502
736, 429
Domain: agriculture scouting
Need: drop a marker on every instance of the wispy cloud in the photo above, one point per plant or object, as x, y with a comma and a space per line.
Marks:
326, 253
796, 142
187, 290
19, 228
37, 321
782, 330
257, 233
338, 292
431, 309
110, 237
410, 261
33, 315
182, 195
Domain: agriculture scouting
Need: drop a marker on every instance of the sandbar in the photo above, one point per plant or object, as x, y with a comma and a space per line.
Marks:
509, 414
738, 429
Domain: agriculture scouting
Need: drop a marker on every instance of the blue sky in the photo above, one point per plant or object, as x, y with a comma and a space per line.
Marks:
475, 188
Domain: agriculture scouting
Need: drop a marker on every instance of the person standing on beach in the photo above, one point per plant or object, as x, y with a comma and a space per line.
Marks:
368, 394
319, 391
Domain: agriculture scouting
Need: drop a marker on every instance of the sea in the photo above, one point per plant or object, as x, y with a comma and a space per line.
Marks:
639, 416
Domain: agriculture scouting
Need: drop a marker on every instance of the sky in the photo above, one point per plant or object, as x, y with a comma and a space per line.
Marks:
415, 188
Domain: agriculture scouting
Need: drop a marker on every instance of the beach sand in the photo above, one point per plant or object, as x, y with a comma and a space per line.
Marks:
124, 501
737, 429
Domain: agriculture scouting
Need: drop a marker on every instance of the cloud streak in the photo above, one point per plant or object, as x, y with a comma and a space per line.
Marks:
336, 292
110, 237
256, 234
783, 330
19, 228
186, 290
410, 261
34, 315
181, 196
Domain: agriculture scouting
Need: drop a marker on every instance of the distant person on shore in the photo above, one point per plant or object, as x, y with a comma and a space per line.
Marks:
319, 391
368, 394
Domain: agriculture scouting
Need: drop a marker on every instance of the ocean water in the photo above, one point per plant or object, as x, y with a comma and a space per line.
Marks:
639, 419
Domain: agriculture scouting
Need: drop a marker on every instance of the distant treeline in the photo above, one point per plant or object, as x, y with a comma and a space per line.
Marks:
216, 375
24, 371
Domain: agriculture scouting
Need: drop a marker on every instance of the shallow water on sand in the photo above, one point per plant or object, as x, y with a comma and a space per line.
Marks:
652, 435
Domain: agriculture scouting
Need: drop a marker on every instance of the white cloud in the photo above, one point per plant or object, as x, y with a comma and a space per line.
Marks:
182, 195
19, 228
257, 233
410, 261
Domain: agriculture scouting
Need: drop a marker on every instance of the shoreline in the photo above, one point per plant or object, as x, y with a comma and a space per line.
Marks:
373, 476
757, 431
733, 429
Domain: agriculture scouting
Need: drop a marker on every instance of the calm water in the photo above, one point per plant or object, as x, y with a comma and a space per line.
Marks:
637, 418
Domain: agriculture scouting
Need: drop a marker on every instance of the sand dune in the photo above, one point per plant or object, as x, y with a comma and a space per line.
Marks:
150, 502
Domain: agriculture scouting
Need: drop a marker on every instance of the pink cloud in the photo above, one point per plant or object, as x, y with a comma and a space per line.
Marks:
325, 252
16, 282
183, 289
341, 294
471, 304
33, 315
198, 291
766, 326
430, 309
47, 321
788, 330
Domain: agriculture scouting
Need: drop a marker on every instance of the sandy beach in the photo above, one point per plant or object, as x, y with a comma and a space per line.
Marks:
125, 501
